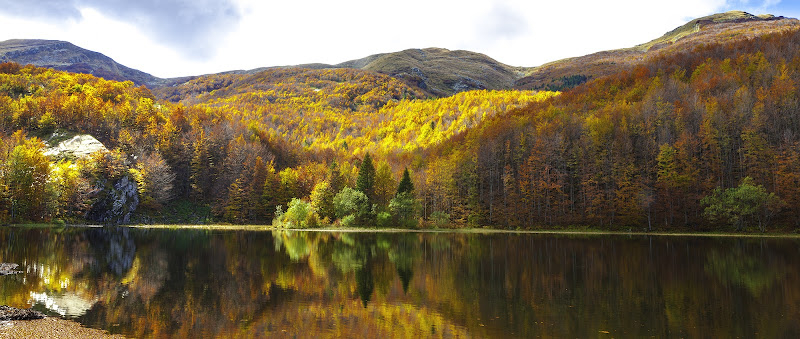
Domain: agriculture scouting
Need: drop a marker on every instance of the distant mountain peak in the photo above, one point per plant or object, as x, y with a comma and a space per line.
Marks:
65, 56
696, 25
441, 71
717, 28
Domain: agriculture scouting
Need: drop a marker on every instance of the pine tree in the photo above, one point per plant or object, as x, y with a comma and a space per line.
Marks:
235, 207
366, 178
405, 186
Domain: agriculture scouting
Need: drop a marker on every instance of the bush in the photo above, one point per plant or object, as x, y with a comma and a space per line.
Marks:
278, 216
351, 202
348, 221
440, 219
403, 207
300, 214
384, 219
739, 206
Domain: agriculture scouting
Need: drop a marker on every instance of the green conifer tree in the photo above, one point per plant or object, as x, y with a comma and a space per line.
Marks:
366, 178
405, 186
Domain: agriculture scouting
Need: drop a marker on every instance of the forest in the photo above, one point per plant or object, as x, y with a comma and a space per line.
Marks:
703, 139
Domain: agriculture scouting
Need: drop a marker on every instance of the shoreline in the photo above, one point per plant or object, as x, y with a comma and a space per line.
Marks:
466, 231
576, 231
50, 327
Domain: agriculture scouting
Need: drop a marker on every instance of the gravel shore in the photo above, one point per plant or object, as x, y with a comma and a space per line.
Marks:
49, 328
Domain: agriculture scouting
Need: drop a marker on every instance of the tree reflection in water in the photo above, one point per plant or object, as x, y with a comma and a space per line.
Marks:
191, 283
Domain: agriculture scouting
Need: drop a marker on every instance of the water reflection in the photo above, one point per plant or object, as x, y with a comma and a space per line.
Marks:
64, 304
165, 283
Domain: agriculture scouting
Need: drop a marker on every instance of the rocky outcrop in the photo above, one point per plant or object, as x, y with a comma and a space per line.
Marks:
116, 203
78, 146
7, 268
13, 313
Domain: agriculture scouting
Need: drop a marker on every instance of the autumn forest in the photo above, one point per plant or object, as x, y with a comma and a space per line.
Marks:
702, 139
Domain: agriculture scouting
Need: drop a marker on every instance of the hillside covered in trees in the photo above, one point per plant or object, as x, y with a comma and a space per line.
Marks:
701, 138
694, 140
236, 152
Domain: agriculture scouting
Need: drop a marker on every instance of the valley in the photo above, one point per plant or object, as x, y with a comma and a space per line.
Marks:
666, 135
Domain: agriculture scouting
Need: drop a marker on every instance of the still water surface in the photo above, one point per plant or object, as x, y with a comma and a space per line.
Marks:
195, 283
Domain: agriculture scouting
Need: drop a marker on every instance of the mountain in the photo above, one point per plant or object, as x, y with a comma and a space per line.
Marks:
718, 28
441, 71
65, 56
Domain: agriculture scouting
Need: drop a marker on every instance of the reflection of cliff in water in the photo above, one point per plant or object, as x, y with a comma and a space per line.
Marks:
190, 283
116, 247
65, 304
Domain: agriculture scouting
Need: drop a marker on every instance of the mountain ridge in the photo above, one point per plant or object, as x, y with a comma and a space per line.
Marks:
65, 56
440, 71
713, 29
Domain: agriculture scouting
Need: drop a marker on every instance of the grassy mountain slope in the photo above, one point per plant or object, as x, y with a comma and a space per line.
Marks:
724, 27
62, 55
438, 71
441, 71
700, 24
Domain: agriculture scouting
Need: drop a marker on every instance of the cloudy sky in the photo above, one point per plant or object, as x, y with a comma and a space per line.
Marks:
170, 38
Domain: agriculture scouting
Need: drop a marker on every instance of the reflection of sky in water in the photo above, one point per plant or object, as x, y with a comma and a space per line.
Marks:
201, 284
65, 304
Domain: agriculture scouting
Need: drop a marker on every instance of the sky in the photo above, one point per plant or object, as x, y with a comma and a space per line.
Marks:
170, 38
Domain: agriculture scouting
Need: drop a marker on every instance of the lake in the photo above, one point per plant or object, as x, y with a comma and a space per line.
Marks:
201, 283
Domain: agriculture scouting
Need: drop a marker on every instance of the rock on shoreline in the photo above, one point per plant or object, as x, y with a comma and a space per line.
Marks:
13, 313
6, 269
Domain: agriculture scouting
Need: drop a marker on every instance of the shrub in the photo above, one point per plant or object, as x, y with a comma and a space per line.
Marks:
384, 219
738, 206
440, 219
351, 202
403, 207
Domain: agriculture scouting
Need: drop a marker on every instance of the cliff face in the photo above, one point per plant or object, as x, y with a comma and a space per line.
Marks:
114, 202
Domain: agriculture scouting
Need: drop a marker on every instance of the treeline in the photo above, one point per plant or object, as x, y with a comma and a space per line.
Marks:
706, 138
